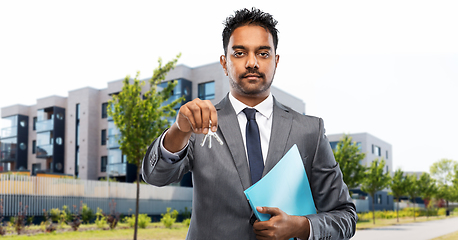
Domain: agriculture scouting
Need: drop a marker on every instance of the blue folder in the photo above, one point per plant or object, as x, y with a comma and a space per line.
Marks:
286, 186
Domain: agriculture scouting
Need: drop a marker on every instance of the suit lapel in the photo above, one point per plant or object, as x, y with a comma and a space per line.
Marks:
281, 127
230, 129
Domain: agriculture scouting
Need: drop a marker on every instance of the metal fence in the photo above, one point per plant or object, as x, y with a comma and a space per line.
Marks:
43, 193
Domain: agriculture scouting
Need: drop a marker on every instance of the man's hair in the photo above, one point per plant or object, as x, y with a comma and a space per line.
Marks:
245, 17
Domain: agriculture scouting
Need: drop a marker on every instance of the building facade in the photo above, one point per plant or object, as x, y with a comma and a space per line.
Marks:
75, 136
374, 148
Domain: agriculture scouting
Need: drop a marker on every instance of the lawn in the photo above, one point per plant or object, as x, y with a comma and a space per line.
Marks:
154, 231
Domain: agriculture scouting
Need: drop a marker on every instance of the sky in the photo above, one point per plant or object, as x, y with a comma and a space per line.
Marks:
388, 68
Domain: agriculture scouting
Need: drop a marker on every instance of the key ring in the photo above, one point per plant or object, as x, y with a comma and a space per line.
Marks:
209, 135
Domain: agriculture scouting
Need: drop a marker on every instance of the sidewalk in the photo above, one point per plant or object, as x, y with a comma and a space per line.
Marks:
418, 231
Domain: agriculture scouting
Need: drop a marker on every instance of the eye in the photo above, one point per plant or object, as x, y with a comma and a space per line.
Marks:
264, 54
239, 54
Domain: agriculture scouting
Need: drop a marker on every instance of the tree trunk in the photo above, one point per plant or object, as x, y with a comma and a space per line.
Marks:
413, 201
397, 209
137, 202
373, 209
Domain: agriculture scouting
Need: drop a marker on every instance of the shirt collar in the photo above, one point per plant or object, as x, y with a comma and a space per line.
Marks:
265, 107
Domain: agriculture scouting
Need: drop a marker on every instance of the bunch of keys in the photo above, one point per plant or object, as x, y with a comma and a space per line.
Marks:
209, 135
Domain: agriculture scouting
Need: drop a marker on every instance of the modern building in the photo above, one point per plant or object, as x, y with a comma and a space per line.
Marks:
73, 135
374, 148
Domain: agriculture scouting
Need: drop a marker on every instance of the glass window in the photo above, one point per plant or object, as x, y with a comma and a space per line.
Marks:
104, 110
103, 163
333, 145
104, 137
386, 154
34, 146
35, 123
376, 150
206, 91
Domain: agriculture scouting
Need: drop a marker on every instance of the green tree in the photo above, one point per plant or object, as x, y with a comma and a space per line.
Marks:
444, 172
375, 181
349, 157
140, 118
412, 189
398, 188
426, 189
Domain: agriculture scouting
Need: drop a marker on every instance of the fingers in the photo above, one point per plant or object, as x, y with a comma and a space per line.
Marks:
196, 115
269, 210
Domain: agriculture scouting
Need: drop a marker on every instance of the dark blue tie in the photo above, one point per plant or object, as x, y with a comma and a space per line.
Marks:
253, 145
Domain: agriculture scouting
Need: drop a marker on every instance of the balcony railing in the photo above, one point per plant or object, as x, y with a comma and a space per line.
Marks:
113, 141
116, 169
6, 156
8, 132
46, 125
44, 151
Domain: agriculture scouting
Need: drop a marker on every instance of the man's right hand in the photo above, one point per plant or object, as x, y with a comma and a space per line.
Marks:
193, 116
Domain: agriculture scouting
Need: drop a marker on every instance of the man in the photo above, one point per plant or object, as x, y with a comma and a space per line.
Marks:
223, 172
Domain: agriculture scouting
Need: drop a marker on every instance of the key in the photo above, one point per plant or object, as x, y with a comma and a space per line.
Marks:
209, 135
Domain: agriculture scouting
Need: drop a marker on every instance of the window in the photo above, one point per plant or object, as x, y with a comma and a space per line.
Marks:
376, 150
104, 110
206, 91
103, 164
104, 137
386, 154
333, 145
35, 123
34, 146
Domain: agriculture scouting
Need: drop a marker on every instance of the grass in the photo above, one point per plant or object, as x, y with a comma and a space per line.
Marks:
451, 236
154, 231
367, 223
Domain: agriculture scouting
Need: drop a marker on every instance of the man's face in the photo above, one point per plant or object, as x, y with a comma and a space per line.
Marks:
250, 62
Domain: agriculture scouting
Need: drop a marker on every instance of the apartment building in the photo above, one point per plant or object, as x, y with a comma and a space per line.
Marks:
73, 135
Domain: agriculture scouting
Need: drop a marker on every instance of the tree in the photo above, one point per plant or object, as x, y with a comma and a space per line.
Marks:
426, 189
398, 188
375, 181
444, 172
412, 189
140, 118
349, 157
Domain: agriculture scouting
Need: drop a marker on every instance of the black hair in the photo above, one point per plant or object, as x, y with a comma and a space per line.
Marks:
245, 17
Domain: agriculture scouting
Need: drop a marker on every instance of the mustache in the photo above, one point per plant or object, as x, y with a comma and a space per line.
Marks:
252, 71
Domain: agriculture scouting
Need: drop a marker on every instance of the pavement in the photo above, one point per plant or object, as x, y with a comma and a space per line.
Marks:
417, 230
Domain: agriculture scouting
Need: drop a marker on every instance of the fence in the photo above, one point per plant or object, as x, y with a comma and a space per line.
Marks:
42, 193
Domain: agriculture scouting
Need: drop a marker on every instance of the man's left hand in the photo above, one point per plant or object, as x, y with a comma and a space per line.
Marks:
281, 225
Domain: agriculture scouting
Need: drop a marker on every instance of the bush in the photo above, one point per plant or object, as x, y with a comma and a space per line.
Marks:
143, 220
187, 222
441, 212
169, 218
86, 213
100, 220
54, 214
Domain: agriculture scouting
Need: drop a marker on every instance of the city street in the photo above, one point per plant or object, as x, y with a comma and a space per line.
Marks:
417, 231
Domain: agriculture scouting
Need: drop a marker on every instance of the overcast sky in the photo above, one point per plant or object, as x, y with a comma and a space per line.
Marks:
389, 68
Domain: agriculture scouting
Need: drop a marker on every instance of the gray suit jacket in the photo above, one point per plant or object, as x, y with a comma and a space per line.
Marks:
221, 174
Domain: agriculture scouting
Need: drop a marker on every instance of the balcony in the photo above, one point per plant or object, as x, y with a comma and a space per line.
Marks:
46, 125
113, 141
44, 151
8, 132
7, 156
116, 169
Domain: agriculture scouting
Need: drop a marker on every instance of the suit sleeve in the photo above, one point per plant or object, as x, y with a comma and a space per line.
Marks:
159, 172
336, 213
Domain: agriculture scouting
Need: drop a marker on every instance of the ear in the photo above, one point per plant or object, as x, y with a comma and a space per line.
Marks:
223, 62
277, 59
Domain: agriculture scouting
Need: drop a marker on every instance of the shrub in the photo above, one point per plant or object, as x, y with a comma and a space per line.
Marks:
2, 228
441, 212
100, 220
187, 222
143, 220
169, 218
54, 214
113, 217
86, 213
20, 220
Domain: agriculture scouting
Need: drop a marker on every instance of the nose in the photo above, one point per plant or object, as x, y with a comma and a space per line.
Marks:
252, 61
